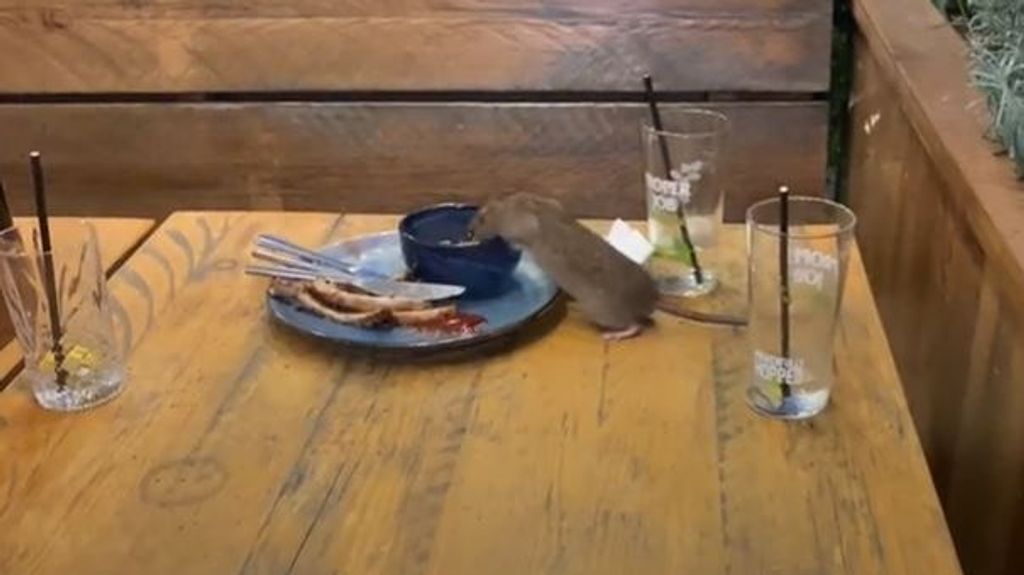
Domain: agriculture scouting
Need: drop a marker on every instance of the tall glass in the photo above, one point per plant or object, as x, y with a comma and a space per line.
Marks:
684, 198
792, 337
83, 366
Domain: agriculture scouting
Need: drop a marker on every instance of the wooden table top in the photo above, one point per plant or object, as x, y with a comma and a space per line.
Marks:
118, 237
239, 447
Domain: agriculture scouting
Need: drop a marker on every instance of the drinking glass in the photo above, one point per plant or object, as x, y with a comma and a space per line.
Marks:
82, 367
684, 198
793, 315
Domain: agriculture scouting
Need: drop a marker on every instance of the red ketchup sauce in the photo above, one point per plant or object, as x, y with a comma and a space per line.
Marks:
456, 323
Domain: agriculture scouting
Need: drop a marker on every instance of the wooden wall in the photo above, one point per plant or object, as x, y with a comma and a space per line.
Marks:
941, 230
146, 107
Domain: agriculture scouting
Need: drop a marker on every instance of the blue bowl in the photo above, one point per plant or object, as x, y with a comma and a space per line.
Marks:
435, 250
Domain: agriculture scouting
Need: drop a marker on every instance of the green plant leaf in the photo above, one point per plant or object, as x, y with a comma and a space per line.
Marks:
995, 31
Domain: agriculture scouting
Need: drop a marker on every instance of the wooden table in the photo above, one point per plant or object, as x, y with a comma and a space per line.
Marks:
239, 447
118, 237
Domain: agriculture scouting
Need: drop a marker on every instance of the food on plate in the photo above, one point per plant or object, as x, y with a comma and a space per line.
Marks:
422, 316
346, 304
368, 318
347, 297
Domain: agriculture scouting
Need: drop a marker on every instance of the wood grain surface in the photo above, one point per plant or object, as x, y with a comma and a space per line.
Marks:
239, 447
104, 46
118, 238
157, 158
940, 229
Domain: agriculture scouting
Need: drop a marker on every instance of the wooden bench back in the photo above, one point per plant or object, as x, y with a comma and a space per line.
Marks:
357, 105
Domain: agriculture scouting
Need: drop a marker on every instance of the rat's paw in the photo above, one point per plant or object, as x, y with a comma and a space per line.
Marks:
631, 331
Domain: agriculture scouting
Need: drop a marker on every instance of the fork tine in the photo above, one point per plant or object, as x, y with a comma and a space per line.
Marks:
275, 272
277, 244
294, 273
281, 259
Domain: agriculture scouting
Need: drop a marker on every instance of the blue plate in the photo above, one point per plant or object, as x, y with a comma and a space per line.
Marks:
529, 294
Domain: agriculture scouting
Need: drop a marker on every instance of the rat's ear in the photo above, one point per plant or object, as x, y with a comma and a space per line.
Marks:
521, 226
480, 227
534, 202
548, 202
497, 195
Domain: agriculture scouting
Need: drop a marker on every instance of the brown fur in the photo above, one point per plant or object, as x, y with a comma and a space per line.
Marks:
612, 290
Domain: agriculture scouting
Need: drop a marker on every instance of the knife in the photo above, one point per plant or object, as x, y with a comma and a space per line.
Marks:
295, 262
418, 291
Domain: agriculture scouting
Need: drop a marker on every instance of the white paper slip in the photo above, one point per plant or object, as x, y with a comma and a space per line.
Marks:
629, 242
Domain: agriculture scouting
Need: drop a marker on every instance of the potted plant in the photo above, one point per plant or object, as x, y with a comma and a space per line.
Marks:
995, 32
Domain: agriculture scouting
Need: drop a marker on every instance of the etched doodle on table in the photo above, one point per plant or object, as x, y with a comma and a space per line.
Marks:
182, 482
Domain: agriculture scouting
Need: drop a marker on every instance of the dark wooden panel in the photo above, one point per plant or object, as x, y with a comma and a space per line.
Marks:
119, 9
924, 265
945, 278
154, 158
985, 498
199, 46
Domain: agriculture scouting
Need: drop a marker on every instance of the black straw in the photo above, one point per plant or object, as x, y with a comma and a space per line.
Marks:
784, 278
50, 277
666, 159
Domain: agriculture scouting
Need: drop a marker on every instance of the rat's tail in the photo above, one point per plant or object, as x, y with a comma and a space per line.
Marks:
674, 306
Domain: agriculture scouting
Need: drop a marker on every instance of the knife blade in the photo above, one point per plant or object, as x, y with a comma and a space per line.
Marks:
418, 291
286, 253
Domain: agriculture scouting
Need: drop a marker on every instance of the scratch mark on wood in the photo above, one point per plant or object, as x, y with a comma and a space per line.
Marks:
245, 375
721, 368
88, 487
876, 537
352, 468
224, 265
557, 514
838, 527
432, 471
298, 473
601, 414
10, 479
335, 226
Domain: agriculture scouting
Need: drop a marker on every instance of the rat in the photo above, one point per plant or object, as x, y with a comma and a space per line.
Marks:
612, 290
